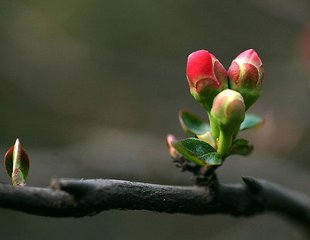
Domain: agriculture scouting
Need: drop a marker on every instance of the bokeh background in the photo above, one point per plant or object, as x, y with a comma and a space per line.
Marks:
92, 87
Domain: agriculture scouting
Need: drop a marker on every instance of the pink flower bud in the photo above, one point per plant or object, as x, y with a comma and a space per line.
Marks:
245, 75
206, 77
172, 151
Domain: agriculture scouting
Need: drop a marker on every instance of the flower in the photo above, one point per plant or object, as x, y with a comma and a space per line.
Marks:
246, 74
206, 77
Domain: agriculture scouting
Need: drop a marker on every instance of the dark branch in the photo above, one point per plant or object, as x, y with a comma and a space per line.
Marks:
78, 198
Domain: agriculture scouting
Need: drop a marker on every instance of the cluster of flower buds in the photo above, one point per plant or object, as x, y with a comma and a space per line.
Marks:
207, 77
225, 95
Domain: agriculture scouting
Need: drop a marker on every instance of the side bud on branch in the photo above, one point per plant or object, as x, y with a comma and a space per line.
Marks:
228, 111
206, 77
245, 75
16, 163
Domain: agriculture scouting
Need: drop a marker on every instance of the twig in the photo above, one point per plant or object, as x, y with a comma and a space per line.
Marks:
78, 198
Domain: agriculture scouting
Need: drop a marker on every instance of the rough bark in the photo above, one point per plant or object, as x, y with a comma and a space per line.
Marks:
78, 198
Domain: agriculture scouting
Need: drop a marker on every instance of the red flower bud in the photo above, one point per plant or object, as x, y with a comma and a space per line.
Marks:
206, 77
245, 75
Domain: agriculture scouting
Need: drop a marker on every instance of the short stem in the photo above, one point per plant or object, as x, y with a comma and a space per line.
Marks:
214, 127
224, 143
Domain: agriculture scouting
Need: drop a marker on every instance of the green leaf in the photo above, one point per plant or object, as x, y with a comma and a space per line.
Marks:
241, 147
212, 158
198, 151
250, 121
193, 124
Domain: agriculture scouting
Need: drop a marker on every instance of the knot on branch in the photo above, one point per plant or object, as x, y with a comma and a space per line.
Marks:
204, 176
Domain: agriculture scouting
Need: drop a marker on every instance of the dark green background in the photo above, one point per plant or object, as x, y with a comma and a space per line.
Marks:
92, 87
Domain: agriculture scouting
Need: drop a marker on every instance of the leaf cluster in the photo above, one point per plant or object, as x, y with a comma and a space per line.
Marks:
199, 150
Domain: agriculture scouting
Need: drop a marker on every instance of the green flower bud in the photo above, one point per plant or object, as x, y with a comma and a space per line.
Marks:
228, 112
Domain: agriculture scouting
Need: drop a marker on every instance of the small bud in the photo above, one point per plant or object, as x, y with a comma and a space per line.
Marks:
246, 74
17, 164
228, 108
206, 77
228, 112
172, 151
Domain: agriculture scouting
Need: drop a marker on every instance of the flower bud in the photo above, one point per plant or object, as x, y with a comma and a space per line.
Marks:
206, 77
228, 112
228, 107
172, 151
17, 164
245, 75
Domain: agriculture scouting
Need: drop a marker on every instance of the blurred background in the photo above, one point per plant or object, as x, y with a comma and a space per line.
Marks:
92, 87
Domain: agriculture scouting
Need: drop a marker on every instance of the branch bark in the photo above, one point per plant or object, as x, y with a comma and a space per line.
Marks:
78, 198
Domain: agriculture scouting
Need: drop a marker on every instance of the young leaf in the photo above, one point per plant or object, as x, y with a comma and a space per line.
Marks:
241, 147
193, 124
198, 151
251, 121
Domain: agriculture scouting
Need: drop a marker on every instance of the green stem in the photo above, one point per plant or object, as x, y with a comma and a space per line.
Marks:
214, 127
224, 143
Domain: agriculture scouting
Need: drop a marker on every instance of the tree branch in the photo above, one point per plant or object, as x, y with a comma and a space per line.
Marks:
78, 198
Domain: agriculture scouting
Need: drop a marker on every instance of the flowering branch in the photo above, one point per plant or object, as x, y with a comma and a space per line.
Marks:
226, 96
